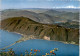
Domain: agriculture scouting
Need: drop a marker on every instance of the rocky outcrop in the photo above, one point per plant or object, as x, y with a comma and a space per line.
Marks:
29, 27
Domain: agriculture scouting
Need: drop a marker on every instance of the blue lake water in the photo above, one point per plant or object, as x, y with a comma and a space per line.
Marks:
44, 46
7, 38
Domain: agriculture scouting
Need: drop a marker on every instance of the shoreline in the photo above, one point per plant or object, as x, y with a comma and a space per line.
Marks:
22, 38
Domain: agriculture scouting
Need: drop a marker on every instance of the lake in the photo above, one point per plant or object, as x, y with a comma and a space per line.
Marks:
44, 46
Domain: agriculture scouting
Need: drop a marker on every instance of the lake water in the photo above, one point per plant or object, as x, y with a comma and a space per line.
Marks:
7, 38
44, 46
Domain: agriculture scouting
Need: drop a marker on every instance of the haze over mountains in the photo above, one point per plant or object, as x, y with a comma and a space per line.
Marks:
46, 16
41, 10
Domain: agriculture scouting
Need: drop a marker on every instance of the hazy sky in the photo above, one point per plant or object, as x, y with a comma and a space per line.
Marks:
15, 4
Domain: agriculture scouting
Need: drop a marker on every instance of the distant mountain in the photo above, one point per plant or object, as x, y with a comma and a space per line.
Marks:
32, 15
63, 15
41, 10
47, 16
16, 13
27, 26
36, 10
68, 10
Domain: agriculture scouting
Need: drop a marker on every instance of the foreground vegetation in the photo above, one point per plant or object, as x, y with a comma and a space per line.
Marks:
12, 53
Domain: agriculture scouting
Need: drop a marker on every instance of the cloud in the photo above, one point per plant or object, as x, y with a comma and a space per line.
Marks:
68, 7
78, 7
71, 7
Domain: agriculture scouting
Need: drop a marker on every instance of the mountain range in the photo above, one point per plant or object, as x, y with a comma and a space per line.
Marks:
44, 16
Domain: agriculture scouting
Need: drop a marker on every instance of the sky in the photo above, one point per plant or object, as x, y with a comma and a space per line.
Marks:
19, 4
